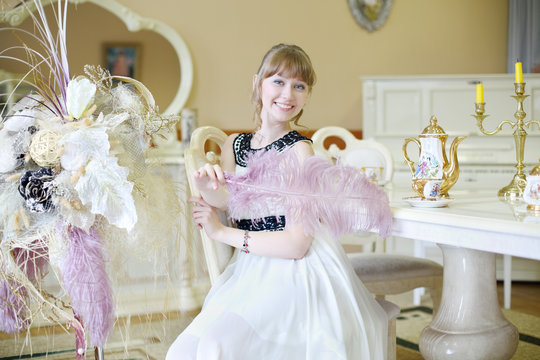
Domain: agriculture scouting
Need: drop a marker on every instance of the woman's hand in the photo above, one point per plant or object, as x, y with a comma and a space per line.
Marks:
209, 177
205, 216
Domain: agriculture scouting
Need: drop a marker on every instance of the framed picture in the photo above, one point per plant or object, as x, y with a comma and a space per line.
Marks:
122, 59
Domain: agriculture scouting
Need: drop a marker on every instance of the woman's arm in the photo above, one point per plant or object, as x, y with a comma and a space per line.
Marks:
210, 179
291, 243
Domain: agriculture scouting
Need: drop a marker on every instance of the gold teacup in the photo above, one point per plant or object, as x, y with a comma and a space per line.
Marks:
373, 173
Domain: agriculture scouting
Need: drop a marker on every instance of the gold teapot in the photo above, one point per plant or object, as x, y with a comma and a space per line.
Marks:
432, 162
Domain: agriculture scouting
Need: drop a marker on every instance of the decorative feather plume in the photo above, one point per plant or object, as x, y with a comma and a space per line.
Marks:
80, 338
12, 307
313, 192
49, 69
32, 261
86, 281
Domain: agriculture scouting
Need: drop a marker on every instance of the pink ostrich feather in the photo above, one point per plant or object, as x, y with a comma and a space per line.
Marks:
86, 282
12, 307
80, 338
33, 262
314, 193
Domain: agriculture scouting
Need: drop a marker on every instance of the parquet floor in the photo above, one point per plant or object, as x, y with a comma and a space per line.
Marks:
525, 297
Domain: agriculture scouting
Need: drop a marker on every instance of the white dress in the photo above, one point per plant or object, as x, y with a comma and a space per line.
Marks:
271, 308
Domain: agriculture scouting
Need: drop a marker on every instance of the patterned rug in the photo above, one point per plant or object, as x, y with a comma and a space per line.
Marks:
148, 338
135, 338
411, 321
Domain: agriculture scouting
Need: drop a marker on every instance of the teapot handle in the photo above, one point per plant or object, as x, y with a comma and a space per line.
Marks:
407, 160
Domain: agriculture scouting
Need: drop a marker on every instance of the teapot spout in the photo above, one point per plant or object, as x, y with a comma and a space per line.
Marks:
451, 170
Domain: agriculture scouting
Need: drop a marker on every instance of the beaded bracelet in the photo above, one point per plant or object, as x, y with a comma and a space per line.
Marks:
245, 245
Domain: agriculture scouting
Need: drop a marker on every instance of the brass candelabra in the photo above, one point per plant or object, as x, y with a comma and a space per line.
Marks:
516, 187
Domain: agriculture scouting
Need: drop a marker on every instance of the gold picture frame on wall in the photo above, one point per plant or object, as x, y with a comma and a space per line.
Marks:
122, 59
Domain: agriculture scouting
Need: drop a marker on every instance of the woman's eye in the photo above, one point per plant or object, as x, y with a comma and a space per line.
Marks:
278, 82
300, 87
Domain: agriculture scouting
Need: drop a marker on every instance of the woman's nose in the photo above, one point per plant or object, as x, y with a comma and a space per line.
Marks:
287, 91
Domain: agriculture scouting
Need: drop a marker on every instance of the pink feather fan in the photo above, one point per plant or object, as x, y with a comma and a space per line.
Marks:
314, 192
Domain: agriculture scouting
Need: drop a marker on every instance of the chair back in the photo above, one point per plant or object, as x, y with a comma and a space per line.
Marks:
201, 151
364, 154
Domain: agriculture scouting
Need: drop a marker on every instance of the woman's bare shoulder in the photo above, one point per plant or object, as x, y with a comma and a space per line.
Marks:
303, 149
227, 153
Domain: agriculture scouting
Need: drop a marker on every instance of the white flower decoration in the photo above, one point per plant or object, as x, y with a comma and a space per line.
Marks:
79, 96
83, 144
8, 158
106, 189
111, 120
20, 121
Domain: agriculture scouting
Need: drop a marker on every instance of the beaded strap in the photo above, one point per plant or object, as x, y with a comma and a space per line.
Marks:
245, 245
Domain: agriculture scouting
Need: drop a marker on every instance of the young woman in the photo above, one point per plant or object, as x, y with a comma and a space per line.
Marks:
288, 292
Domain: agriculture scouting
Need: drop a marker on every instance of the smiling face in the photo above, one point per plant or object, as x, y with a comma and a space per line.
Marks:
282, 84
282, 98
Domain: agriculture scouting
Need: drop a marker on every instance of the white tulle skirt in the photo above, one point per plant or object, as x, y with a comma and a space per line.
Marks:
269, 308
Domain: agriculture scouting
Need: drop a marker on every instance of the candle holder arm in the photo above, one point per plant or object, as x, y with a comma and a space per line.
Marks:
532, 122
480, 120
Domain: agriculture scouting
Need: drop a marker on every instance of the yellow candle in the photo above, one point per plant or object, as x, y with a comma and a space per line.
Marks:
479, 93
519, 72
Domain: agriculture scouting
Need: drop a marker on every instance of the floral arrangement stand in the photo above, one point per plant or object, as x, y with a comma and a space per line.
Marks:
76, 194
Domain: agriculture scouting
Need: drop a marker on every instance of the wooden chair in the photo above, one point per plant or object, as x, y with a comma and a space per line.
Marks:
196, 156
382, 273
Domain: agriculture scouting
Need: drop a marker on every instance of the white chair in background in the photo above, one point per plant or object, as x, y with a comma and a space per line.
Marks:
217, 254
382, 273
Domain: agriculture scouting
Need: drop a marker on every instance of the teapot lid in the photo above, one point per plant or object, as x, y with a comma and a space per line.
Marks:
536, 170
433, 128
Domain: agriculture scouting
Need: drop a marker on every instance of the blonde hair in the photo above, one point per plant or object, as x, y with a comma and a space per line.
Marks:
286, 60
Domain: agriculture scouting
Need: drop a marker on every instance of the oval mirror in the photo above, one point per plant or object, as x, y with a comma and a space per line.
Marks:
157, 54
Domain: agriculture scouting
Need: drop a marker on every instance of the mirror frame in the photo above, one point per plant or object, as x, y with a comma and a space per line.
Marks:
134, 22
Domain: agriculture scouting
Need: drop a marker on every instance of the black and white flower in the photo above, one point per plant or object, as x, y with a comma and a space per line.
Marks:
36, 187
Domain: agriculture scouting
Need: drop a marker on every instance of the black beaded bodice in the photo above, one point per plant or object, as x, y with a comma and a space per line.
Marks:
242, 145
268, 223
242, 149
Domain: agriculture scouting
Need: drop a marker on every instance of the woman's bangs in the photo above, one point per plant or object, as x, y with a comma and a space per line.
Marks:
291, 67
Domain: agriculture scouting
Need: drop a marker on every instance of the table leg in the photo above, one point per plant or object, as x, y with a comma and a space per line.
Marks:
469, 323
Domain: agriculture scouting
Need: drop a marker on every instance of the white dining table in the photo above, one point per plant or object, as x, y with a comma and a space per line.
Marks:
470, 230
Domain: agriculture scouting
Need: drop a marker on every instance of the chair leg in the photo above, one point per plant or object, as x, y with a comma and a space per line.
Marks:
391, 350
418, 251
417, 296
507, 269
392, 311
